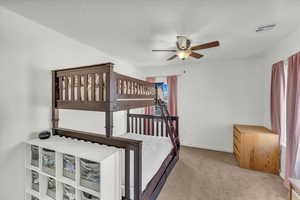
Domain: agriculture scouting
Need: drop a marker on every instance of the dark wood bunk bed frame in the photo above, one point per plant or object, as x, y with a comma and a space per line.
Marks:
99, 88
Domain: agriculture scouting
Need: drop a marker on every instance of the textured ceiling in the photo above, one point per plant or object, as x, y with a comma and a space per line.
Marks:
128, 30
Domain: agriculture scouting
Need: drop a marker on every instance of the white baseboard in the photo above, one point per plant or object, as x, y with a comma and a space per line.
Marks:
207, 148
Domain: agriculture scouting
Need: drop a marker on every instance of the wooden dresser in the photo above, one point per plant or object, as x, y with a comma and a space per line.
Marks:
257, 148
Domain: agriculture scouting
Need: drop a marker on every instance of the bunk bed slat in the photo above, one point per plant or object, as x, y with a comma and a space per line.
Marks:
131, 87
128, 87
66, 88
132, 125
157, 122
152, 127
148, 126
140, 125
122, 86
144, 125
60, 88
135, 125
78, 88
166, 129
101, 87
72, 88
85, 79
92, 87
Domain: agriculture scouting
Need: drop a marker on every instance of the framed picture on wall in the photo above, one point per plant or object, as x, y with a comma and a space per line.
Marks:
162, 92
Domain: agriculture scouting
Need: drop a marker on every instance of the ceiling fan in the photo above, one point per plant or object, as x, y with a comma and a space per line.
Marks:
184, 48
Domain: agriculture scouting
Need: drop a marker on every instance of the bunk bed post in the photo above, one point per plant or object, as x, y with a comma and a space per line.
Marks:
110, 99
55, 114
127, 173
138, 172
109, 123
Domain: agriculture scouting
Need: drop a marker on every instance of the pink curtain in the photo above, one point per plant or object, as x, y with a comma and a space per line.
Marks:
293, 117
172, 88
277, 97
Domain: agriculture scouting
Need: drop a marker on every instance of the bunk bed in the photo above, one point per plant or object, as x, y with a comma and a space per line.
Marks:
99, 88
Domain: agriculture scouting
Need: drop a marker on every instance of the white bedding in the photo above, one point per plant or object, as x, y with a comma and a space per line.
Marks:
154, 152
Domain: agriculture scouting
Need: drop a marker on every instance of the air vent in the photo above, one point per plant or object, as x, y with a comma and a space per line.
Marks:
265, 27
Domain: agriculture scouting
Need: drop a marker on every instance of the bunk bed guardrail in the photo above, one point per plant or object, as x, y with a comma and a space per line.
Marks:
152, 125
99, 88
123, 143
149, 124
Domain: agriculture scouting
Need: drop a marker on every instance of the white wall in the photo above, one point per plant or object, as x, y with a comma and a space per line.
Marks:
214, 96
28, 53
281, 51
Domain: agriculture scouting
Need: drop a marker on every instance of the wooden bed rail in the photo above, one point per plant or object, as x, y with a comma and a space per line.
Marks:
150, 124
83, 88
132, 88
123, 143
99, 88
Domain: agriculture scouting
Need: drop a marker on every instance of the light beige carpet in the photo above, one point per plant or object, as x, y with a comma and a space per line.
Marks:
209, 175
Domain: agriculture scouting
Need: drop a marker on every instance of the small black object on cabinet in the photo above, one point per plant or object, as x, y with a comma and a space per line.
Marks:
44, 135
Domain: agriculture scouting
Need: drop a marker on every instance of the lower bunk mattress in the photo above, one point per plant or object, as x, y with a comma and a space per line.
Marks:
155, 150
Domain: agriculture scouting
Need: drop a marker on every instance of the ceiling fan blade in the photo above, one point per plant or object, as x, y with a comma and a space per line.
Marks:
196, 55
166, 50
172, 57
206, 45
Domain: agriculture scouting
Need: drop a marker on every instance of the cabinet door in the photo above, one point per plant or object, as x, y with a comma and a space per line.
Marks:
295, 196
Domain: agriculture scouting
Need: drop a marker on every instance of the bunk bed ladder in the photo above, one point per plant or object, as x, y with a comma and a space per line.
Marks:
169, 124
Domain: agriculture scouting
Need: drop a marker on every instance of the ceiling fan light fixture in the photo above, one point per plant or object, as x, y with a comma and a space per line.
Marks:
182, 54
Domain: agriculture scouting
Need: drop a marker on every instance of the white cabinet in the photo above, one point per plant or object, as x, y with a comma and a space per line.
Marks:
66, 169
294, 189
